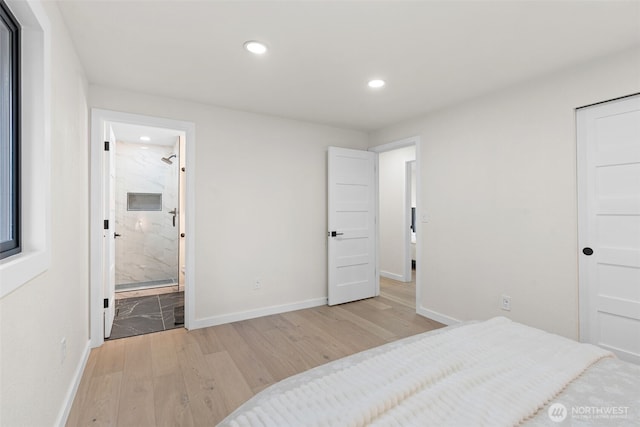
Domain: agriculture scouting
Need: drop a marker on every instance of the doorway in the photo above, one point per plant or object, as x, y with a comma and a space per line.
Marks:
141, 256
398, 212
149, 279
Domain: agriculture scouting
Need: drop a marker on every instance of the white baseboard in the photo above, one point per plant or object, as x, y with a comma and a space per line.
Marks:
252, 314
73, 389
392, 276
438, 317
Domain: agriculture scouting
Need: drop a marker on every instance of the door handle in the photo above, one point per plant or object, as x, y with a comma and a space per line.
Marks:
335, 233
174, 212
116, 235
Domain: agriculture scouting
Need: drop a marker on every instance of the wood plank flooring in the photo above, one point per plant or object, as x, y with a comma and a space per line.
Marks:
196, 378
400, 292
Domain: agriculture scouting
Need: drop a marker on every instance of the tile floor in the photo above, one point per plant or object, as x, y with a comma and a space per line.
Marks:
146, 314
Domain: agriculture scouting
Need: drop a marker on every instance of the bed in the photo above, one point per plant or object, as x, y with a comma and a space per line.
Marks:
493, 373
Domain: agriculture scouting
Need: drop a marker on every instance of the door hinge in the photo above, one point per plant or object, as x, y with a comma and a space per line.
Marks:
106, 303
106, 224
106, 146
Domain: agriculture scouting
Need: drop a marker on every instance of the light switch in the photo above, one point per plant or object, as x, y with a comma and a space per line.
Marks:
425, 217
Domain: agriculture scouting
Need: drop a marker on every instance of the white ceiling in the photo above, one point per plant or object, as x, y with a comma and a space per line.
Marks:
129, 133
322, 53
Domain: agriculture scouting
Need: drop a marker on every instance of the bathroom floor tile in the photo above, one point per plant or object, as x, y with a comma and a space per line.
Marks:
168, 302
136, 325
132, 307
143, 315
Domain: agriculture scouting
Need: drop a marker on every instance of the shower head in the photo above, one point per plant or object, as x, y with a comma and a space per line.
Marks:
167, 160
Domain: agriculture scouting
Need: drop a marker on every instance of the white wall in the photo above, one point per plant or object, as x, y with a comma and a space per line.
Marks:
392, 195
499, 184
413, 185
260, 194
35, 317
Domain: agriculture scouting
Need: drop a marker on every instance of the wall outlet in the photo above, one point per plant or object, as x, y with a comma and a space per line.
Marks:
63, 350
257, 285
505, 303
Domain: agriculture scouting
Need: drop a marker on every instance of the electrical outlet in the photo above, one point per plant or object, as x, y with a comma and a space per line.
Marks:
505, 303
63, 350
257, 285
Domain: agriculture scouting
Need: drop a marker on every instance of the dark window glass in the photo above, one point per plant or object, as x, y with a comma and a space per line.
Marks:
9, 133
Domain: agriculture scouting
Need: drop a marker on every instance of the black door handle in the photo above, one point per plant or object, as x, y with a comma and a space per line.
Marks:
335, 233
587, 251
116, 235
174, 212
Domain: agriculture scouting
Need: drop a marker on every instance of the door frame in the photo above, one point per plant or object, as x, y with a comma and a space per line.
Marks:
99, 119
394, 145
584, 298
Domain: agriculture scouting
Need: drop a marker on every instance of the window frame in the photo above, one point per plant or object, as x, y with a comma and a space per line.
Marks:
35, 148
13, 246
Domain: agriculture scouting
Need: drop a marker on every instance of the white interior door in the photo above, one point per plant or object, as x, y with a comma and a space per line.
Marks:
351, 220
110, 233
609, 213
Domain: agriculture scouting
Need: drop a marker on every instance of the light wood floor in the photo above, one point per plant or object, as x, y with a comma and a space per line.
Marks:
196, 378
400, 292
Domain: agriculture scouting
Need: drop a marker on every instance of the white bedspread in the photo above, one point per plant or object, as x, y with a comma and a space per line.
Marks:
491, 373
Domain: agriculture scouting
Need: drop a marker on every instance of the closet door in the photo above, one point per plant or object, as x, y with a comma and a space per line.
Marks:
609, 225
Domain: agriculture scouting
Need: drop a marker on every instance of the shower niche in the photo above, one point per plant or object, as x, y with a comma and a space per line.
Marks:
144, 201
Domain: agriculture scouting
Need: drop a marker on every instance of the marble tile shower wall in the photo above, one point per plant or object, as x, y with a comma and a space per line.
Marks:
147, 250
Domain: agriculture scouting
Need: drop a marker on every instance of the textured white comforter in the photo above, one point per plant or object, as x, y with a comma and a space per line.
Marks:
491, 373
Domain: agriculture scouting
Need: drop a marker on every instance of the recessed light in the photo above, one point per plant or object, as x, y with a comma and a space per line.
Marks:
255, 47
145, 138
376, 83
144, 148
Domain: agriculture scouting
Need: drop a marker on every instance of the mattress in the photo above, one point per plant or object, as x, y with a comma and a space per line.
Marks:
604, 391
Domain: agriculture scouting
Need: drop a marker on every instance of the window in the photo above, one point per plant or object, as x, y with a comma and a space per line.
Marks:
9, 133
34, 131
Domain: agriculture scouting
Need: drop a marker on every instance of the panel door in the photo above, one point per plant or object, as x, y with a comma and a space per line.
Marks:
609, 238
351, 219
110, 234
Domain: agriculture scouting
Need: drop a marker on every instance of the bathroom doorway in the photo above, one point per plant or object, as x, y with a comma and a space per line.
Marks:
147, 198
140, 258
149, 278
